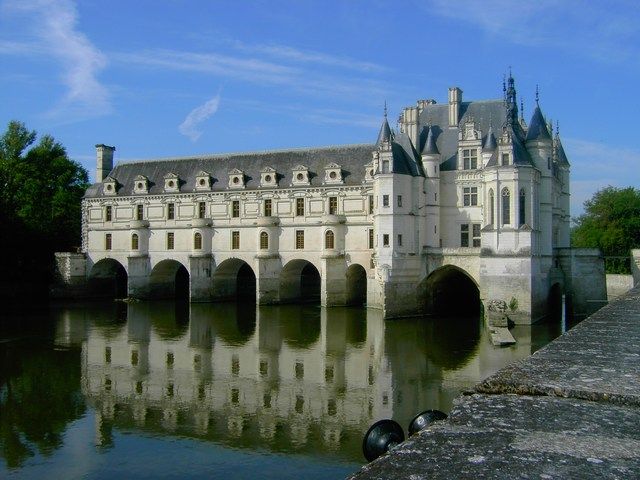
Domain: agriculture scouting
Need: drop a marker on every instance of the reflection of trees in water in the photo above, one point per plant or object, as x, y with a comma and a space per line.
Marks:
40, 396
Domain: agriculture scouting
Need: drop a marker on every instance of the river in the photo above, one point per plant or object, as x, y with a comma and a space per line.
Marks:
172, 390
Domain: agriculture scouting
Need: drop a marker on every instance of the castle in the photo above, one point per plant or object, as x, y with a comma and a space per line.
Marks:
464, 204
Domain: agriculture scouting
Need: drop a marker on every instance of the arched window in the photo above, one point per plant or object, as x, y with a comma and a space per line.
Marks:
521, 208
134, 242
492, 207
329, 239
506, 206
264, 241
197, 241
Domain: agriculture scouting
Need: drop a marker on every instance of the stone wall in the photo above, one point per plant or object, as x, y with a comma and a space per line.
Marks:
617, 285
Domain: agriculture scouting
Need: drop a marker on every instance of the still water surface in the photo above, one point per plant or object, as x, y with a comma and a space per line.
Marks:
223, 390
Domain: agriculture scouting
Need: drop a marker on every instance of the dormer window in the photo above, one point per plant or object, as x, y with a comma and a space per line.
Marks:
505, 159
171, 183
109, 186
268, 177
469, 158
236, 178
300, 175
333, 173
141, 185
203, 181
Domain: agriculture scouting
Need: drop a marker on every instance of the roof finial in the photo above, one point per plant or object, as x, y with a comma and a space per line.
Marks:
521, 109
510, 72
537, 94
557, 128
504, 86
385, 109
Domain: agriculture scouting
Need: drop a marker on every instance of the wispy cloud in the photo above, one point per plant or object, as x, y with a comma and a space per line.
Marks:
53, 26
189, 127
607, 31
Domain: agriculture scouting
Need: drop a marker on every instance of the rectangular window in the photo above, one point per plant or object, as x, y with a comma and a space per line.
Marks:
140, 212
171, 211
470, 158
107, 213
385, 166
470, 196
464, 235
385, 200
505, 159
107, 241
399, 200
299, 239
476, 234
202, 208
385, 240
299, 207
235, 208
333, 205
267, 207
170, 240
235, 240
370, 204
399, 239
371, 237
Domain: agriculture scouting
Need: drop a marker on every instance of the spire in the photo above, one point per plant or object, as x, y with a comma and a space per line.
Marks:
538, 126
560, 154
385, 134
511, 104
430, 147
537, 95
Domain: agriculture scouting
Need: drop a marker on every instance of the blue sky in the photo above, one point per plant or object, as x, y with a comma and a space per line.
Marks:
176, 77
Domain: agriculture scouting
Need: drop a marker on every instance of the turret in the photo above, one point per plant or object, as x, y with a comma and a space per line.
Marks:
104, 161
431, 164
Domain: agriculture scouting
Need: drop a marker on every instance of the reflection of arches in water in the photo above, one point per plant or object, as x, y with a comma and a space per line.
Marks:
107, 318
344, 326
356, 285
234, 323
170, 320
555, 302
300, 325
452, 341
169, 279
234, 279
449, 290
108, 278
299, 282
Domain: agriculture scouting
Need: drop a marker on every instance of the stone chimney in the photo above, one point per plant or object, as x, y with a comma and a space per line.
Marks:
455, 100
104, 161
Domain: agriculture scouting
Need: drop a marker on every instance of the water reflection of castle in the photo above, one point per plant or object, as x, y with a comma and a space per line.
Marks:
284, 378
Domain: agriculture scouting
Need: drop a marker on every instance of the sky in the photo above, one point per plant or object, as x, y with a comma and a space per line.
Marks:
162, 78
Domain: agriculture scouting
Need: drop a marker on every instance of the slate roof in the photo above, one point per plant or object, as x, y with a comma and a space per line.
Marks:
406, 160
352, 159
430, 147
538, 127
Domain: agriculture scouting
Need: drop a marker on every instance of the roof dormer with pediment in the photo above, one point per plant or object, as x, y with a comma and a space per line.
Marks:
236, 178
171, 183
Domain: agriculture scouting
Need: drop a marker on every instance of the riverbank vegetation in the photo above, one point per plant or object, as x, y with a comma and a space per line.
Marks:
40, 193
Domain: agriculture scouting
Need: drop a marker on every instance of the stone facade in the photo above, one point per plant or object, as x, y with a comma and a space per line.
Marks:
486, 198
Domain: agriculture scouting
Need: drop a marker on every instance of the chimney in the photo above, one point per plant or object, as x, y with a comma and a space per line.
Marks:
455, 99
104, 161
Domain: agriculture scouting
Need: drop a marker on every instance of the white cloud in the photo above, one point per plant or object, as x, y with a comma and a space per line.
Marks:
53, 25
189, 127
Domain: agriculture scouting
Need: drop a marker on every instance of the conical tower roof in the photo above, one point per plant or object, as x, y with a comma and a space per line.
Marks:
538, 127
490, 143
430, 147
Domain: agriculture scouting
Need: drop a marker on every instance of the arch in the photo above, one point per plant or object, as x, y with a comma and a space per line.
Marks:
299, 282
356, 285
449, 291
197, 241
169, 279
506, 206
264, 241
108, 278
234, 279
329, 240
554, 301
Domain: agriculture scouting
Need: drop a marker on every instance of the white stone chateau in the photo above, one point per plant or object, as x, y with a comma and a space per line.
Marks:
465, 203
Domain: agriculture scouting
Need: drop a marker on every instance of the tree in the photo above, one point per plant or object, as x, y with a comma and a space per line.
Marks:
611, 222
40, 194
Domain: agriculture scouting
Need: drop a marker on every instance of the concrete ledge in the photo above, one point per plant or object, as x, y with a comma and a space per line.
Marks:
571, 410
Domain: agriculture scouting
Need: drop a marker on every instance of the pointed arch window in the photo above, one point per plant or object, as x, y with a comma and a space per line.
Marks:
506, 206
522, 208
492, 208
135, 242
264, 241
197, 241
329, 240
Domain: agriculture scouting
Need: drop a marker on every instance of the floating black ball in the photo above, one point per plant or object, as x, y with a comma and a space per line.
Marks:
424, 419
381, 436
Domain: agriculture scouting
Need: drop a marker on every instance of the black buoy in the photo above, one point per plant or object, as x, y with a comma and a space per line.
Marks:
380, 438
424, 419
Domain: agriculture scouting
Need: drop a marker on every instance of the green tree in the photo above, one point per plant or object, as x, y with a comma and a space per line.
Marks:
40, 194
611, 222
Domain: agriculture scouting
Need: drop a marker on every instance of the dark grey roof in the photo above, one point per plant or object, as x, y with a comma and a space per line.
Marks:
406, 160
538, 127
490, 143
484, 112
385, 132
352, 159
430, 147
520, 153
561, 155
